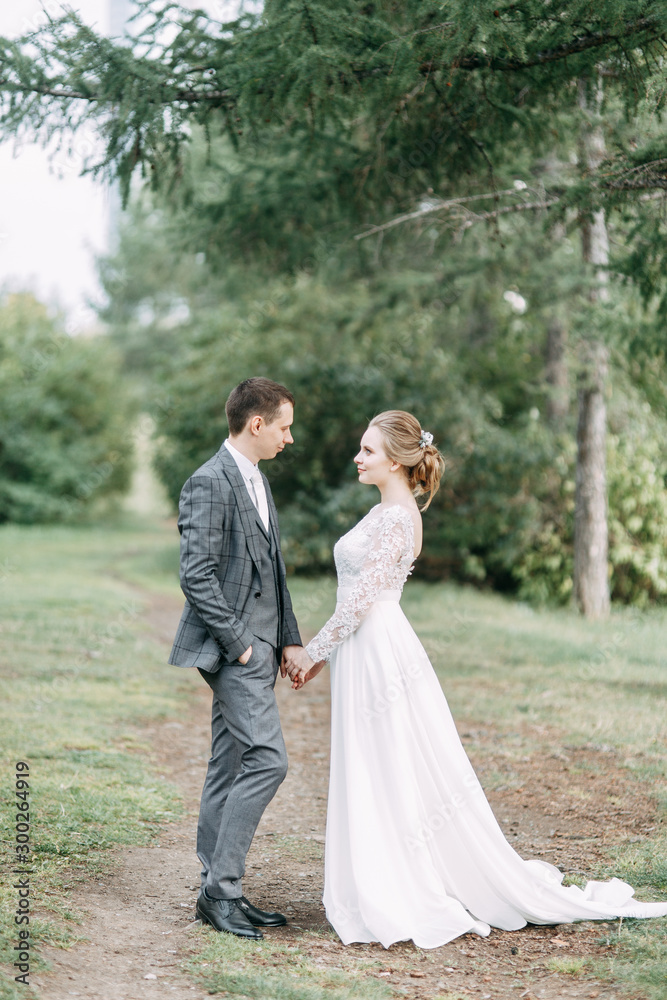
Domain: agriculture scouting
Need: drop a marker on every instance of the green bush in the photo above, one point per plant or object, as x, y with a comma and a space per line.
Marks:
637, 501
637, 481
65, 421
509, 514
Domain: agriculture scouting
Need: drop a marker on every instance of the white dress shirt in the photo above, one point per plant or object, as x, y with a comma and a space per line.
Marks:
253, 480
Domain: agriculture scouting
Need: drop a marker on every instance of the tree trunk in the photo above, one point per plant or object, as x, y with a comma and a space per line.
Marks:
558, 396
591, 578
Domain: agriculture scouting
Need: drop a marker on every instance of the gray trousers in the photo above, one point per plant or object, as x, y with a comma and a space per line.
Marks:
247, 764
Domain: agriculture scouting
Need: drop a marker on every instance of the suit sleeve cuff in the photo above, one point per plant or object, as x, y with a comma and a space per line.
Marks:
232, 650
291, 637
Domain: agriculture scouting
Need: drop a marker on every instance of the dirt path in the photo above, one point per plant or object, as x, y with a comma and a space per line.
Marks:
138, 918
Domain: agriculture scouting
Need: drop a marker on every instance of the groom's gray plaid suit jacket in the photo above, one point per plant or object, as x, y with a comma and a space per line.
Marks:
219, 567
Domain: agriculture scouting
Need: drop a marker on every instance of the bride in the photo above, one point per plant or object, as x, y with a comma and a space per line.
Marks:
413, 850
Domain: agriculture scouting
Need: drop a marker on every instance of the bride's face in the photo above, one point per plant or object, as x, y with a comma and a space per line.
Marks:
373, 464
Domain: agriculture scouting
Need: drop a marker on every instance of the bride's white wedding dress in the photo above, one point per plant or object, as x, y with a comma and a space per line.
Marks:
413, 849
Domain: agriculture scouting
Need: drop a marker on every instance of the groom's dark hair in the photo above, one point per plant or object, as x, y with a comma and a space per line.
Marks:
255, 396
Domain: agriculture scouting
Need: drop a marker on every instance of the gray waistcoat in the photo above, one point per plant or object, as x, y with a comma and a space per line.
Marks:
264, 620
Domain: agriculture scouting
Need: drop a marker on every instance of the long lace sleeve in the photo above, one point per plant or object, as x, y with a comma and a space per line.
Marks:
386, 566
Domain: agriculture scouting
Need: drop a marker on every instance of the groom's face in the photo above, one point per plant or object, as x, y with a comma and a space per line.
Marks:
273, 437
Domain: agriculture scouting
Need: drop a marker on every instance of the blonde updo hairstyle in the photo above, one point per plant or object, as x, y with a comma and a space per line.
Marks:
423, 464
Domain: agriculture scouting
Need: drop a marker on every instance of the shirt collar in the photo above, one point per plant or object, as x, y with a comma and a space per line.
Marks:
247, 468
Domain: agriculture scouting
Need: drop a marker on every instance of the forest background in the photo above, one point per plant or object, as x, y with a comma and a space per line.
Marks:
448, 208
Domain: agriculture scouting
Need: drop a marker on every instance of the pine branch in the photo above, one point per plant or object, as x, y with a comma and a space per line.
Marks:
73, 95
654, 31
524, 206
643, 177
644, 26
188, 96
650, 176
453, 203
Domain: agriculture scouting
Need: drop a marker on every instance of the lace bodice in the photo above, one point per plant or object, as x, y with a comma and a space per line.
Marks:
377, 554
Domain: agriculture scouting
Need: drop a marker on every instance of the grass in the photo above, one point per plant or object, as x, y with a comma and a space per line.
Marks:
639, 959
79, 676
567, 966
272, 971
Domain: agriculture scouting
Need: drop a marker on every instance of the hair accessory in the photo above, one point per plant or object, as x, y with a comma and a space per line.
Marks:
426, 438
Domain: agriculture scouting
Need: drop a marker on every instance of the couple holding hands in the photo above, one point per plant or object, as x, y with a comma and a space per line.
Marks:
413, 850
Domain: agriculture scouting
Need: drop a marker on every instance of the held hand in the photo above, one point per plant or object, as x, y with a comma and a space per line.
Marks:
288, 652
302, 677
283, 661
294, 658
244, 657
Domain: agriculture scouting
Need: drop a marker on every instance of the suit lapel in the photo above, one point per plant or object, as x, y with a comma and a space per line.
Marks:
246, 507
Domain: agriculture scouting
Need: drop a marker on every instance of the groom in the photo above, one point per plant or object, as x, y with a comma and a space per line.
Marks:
236, 628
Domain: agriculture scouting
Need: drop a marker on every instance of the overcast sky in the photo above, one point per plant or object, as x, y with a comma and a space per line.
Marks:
50, 226
52, 221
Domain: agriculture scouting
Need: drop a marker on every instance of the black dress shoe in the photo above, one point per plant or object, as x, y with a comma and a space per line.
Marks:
260, 918
226, 915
